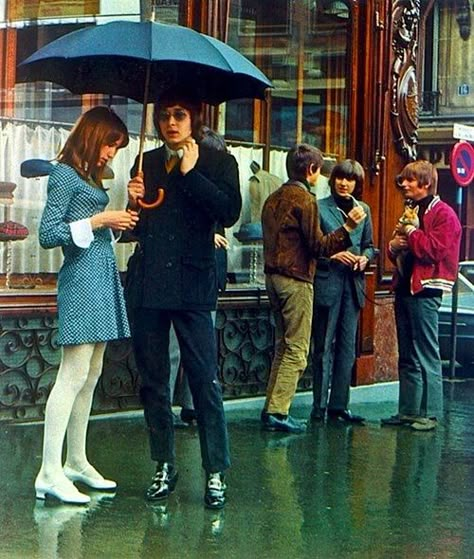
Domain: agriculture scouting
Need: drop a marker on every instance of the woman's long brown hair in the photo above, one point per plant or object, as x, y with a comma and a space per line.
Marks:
97, 127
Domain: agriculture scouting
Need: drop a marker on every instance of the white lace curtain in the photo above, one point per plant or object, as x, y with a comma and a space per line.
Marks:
19, 142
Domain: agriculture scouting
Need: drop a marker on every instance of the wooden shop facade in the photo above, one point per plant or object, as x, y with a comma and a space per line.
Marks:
380, 81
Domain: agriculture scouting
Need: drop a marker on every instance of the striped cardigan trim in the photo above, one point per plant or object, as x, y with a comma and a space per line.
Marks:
438, 283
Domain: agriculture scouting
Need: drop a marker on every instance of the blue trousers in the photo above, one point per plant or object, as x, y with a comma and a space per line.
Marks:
197, 342
419, 363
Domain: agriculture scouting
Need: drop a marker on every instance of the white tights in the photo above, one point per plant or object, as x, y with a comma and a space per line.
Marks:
68, 409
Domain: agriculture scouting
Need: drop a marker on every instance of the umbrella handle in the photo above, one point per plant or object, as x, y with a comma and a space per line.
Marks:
150, 206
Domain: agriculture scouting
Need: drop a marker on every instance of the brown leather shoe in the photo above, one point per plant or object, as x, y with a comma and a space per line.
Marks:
424, 424
398, 420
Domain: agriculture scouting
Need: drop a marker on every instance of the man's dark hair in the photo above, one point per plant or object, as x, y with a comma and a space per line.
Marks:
185, 100
299, 160
349, 169
213, 139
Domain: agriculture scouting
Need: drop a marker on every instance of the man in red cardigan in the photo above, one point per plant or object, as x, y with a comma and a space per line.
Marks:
429, 268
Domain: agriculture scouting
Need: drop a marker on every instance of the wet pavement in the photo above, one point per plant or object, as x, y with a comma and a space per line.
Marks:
335, 492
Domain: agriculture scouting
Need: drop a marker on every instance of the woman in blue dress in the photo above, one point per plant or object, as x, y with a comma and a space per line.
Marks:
91, 308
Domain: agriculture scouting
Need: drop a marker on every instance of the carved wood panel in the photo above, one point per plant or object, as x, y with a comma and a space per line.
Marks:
404, 88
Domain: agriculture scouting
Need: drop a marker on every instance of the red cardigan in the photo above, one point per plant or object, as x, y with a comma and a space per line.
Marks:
435, 248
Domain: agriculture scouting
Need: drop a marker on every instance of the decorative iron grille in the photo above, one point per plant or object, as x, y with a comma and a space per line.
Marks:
30, 356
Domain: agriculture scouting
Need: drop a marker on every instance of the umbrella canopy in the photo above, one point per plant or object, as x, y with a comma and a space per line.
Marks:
115, 59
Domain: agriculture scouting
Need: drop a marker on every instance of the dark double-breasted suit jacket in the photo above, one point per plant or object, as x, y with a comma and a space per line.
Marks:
172, 278
174, 265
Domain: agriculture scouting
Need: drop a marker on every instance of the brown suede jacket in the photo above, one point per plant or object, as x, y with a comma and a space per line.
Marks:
292, 238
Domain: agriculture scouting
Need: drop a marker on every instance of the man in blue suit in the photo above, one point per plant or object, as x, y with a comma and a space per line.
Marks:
339, 294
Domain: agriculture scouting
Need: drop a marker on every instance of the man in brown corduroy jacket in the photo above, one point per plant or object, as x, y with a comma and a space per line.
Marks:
292, 240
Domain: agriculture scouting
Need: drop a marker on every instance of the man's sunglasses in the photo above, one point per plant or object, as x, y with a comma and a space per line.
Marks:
179, 115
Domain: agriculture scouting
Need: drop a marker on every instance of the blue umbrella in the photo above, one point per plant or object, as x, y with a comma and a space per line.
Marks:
142, 61
120, 57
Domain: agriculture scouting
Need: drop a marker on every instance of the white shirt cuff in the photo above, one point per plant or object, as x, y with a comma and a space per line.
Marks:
81, 232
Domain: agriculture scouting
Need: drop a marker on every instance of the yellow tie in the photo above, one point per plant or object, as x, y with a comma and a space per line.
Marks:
171, 163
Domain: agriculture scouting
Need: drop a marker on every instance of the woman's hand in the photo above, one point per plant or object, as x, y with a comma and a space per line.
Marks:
136, 190
190, 155
361, 263
118, 220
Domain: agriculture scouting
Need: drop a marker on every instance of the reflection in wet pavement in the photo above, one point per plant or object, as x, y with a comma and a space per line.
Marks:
335, 492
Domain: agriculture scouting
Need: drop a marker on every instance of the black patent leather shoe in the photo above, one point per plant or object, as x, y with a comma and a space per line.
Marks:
345, 416
318, 414
214, 496
284, 423
163, 483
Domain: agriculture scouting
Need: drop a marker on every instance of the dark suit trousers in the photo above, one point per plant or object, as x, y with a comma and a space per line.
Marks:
334, 349
196, 337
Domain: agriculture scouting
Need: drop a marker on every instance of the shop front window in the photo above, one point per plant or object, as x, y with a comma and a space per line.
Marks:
301, 46
35, 120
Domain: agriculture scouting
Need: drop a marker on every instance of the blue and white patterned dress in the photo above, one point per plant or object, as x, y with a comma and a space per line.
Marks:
91, 306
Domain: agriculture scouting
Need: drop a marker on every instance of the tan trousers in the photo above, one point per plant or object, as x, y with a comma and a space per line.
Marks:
291, 301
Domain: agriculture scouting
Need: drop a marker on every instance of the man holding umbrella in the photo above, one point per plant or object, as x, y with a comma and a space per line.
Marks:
172, 274
172, 280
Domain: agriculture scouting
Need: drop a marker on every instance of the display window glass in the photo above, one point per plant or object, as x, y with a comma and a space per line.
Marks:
302, 47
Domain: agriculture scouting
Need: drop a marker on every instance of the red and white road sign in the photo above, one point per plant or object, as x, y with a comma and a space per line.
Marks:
462, 163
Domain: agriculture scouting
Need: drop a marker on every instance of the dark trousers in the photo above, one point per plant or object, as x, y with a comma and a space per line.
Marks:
334, 333
197, 342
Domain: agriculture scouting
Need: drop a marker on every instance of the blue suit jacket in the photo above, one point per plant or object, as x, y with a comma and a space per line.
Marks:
330, 274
